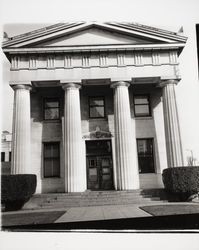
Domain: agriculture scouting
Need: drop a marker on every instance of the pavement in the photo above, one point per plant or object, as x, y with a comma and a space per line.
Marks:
102, 213
92, 213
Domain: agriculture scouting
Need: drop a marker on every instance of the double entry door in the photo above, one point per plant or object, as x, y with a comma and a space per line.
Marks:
99, 165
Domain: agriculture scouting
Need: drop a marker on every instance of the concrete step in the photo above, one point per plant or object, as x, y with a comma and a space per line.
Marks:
85, 194
134, 201
96, 198
45, 206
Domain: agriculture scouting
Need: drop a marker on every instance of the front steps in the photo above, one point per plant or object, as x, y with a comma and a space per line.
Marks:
95, 198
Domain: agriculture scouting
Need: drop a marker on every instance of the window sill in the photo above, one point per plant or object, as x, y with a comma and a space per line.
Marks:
52, 121
148, 173
98, 119
144, 118
51, 178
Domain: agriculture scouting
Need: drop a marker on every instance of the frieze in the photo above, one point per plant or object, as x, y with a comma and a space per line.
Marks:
98, 59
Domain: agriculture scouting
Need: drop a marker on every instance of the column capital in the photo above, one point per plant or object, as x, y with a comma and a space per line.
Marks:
21, 86
71, 85
120, 84
164, 83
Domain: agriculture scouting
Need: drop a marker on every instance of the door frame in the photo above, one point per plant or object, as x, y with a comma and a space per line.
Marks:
99, 155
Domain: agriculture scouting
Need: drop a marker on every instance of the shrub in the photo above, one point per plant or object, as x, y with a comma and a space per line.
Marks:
16, 190
183, 181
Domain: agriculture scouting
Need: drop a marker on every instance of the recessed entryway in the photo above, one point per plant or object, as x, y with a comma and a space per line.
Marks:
99, 165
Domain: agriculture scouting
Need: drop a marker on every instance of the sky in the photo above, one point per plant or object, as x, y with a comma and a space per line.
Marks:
18, 17
21, 16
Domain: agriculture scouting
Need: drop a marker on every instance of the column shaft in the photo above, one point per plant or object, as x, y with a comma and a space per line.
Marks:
20, 163
75, 173
172, 128
127, 170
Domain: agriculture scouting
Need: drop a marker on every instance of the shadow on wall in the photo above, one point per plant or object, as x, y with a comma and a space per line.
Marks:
151, 127
47, 132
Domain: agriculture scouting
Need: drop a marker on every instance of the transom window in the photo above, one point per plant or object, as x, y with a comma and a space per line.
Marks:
51, 109
96, 107
51, 160
142, 105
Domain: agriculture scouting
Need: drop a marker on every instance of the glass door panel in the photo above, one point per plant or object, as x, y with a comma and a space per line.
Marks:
106, 173
92, 173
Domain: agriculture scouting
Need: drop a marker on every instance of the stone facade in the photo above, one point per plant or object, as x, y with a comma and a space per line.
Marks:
100, 68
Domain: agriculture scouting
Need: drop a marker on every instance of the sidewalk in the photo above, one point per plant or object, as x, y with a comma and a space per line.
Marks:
94, 213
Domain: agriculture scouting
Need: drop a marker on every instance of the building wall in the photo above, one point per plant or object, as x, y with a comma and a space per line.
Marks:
51, 131
6, 149
45, 131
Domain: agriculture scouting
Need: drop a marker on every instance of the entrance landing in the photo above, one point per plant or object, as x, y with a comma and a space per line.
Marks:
102, 213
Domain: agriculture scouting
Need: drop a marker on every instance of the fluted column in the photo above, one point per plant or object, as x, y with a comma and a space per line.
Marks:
75, 172
21, 160
127, 170
172, 126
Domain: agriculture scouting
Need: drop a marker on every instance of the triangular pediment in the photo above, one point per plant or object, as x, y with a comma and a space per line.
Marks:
93, 34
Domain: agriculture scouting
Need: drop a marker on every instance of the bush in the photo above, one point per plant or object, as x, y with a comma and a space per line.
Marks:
16, 190
183, 181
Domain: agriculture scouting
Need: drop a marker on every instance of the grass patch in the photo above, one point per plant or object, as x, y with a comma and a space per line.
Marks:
30, 218
161, 210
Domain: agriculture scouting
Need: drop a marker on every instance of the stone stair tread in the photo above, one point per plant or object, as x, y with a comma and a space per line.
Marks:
96, 198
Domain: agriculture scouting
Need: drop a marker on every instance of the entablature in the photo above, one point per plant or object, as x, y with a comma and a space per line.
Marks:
145, 57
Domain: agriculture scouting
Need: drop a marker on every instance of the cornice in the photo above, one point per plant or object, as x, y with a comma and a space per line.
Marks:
95, 48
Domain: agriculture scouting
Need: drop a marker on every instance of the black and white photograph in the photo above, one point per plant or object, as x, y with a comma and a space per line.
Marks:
100, 123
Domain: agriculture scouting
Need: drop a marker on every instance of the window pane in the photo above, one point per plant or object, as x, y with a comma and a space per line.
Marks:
55, 150
56, 168
97, 112
145, 155
96, 101
142, 110
47, 151
2, 156
141, 100
51, 104
51, 160
10, 156
48, 168
142, 146
51, 150
52, 114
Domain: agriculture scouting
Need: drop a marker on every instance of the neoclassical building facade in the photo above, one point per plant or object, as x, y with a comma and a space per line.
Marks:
95, 105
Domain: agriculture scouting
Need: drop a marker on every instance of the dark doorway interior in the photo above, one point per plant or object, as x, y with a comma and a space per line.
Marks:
99, 165
145, 155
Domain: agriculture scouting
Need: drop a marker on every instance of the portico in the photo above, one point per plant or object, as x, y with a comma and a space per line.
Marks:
95, 82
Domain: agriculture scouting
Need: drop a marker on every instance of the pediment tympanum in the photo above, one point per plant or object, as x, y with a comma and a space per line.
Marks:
94, 36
